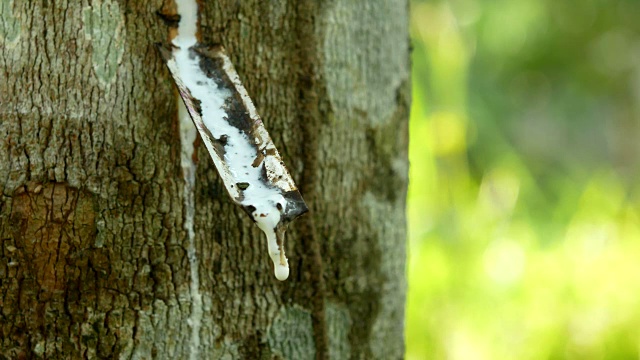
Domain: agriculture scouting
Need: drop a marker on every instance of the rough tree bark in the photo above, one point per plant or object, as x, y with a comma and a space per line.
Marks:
93, 255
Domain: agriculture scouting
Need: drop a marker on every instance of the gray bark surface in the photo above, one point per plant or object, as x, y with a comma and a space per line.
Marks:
93, 254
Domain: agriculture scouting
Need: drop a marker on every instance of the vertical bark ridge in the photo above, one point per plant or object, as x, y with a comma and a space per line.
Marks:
309, 120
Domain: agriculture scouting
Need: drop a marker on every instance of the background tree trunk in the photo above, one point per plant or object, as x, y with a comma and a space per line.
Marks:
93, 255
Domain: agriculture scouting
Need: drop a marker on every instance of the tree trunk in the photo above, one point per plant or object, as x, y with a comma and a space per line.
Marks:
94, 251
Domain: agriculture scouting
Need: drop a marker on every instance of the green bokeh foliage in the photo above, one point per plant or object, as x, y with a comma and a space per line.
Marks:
524, 199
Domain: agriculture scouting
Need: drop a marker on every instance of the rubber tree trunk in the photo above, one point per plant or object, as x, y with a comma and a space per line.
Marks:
94, 252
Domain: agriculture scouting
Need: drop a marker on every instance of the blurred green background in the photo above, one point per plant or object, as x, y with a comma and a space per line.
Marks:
524, 200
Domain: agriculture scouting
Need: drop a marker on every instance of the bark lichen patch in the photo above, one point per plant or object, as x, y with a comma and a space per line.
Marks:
349, 41
384, 218
104, 26
338, 327
291, 334
10, 24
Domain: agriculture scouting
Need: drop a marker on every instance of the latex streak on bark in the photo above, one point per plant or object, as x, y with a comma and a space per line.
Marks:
248, 162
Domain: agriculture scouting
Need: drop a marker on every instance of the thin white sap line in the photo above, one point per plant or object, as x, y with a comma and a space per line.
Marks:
188, 11
187, 137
